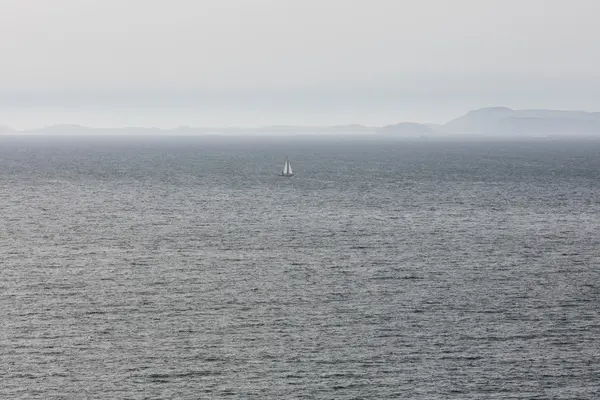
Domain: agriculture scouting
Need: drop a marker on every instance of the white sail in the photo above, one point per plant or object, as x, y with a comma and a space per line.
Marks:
287, 168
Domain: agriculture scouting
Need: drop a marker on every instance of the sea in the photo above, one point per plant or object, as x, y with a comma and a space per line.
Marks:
385, 268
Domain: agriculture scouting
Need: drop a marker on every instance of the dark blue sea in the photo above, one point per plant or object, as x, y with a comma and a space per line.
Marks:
185, 268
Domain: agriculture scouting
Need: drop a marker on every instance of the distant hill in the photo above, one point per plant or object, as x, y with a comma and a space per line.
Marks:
406, 129
477, 121
505, 121
61, 128
266, 130
435, 127
340, 129
80, 129
490, 121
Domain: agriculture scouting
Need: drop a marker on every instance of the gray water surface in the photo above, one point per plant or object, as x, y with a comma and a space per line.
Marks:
187, 269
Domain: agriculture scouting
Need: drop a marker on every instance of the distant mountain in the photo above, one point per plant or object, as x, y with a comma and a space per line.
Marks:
491, 121
341, 129
80, 129
61, 128
435, 127
266, 130
477, 121
505, 121
406, 129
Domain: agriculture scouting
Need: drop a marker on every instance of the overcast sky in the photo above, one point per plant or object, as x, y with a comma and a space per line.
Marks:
254, 62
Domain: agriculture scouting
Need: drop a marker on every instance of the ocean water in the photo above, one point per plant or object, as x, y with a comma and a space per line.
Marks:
185, 268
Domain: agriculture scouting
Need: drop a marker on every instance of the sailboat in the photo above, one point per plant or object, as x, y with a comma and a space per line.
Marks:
287, 168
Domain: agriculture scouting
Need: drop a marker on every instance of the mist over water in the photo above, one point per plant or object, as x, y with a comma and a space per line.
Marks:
186, 268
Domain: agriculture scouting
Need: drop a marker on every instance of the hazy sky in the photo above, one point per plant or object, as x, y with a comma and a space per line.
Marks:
253, 62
